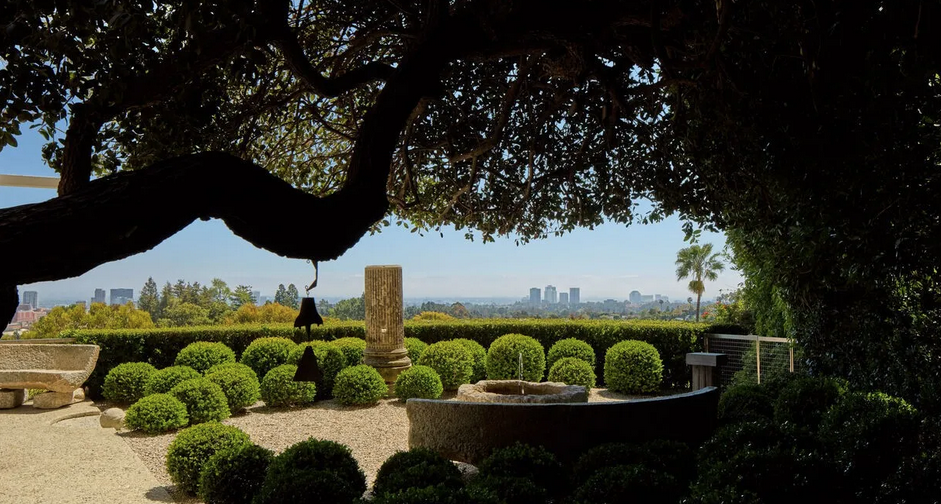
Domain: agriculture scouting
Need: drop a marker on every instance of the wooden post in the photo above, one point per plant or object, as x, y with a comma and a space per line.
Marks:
758, 360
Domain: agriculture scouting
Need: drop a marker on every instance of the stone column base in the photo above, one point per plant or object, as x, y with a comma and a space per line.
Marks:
12, 398
389, 366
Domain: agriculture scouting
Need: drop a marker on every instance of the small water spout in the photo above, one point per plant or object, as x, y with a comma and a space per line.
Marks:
522, 391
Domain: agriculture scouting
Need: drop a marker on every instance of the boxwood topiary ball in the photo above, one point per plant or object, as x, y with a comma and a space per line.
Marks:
419, 382
234, 476
238, 382
451, 361
203, 355
126, 383
160, 382
419, 468
520, 460
194, 446
279, 390
503, 358
313, 468
157, 413
479, 356
359, 385
629, 483
570, 347
265, 354
633, 367
352, 348
330, 360
205, 401
572, 371
745, 403
415, 347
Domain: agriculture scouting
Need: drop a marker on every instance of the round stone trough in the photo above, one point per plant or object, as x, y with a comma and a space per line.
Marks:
521, 392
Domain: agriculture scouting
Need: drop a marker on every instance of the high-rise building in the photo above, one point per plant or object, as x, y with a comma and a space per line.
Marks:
563, 298
635, 297
99, 296
31, 298
121, 296
550, 295
257, 296
535, 296
575, 295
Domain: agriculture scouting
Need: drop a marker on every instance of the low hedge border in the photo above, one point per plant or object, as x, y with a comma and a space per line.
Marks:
159, 346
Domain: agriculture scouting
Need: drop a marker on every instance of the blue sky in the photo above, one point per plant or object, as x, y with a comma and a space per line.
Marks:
607, 262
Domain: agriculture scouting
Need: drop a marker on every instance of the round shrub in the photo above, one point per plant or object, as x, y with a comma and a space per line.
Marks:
313, 467
479, 356
631, 483
441, 495
503, 358
416, 468
415, 347
330, 360
451, 361
203, 355
524, 461
352, 349
238, 382
745, 403
194, 446
160, 382
803, 401
670, 457
278, 388
570, 347
359, 385
127, 383
205, 401
510, 489
234, 476
420, 382
156, 413
265, 354
572, 371
633, 367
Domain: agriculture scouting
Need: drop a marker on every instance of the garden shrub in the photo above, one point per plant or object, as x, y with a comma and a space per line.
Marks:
279, 390
440, 494
479, 356
803, 401
503, 358
161, 381
629, 483
234, 476
156, 413
352, 349
194, 446
205, 401
238, 382
570, 347
744, 403
414, 347
359, 385
203, 355
573, 371
416, 468
633, 367
126, 383
524, 461
451, 361
313, 468
670, 457
510, 489
421, 382
265, 354
330, 360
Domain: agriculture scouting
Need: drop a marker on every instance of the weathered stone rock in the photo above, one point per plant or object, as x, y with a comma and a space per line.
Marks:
60, 368
11, 398
112, 418
515, 391
52, 400
385, 330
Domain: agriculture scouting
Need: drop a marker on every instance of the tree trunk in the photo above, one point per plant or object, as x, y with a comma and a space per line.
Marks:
698, 297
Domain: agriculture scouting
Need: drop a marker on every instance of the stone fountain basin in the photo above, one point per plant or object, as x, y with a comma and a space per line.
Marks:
508, 391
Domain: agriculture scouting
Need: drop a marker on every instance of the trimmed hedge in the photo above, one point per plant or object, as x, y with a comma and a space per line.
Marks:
632, 367
415, 347
479, 354
504, 354
416, 468
359, 385
205, 401
238, 382
315, 468
352, 349
265, 354
572, 371
234, 476
279, 390
203, 355
157, 413
193, 447
420, 382
159, 346
451, 360
127, 382
330, 360
165, 379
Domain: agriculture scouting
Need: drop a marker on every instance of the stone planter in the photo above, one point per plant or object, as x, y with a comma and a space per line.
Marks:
521, 392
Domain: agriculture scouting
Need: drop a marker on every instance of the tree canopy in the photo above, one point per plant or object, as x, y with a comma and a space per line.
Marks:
808, 130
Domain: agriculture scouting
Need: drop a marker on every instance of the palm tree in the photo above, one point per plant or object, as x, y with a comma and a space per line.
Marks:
699, 263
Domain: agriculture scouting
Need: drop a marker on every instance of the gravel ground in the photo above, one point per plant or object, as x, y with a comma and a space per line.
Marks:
373, 433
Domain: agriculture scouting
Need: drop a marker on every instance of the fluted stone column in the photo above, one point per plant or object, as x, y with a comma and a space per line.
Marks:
385, 332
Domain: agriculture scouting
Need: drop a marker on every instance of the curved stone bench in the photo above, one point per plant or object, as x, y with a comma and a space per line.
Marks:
58, 368
468, 432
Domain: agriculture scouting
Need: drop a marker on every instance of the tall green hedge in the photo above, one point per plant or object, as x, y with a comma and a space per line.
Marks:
160, 346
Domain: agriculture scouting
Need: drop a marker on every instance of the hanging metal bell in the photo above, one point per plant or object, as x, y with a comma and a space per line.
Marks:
308, 315
308, 369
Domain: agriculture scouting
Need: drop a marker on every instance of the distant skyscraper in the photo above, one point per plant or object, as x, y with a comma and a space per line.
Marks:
550, 295
564, 298
257, 296
31, 298
121, 296
575, 295
99, 296
535, 296
635, 297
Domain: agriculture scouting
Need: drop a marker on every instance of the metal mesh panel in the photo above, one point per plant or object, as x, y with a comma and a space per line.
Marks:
744, 356
736, 350
775, 359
